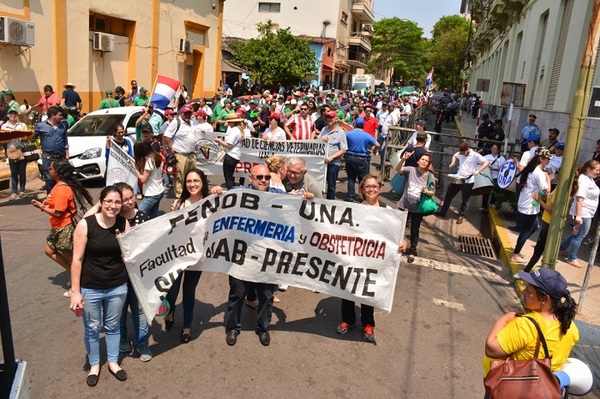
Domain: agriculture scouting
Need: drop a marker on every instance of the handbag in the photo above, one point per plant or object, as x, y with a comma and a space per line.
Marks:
427, 204
14, 153
30, 153
521, 379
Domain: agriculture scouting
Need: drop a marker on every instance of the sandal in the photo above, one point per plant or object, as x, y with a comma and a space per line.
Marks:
67, 294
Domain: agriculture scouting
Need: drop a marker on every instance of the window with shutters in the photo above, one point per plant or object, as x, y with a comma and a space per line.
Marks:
560, 52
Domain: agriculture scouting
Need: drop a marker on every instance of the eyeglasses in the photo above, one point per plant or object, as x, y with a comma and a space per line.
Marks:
294, 173
111, 203
371, 187
130, 199
262, 177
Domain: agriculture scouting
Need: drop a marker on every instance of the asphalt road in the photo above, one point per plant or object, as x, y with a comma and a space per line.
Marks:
430, 345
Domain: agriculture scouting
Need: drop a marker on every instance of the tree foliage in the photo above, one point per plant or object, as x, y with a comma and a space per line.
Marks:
275, 56
399, 44
447, 50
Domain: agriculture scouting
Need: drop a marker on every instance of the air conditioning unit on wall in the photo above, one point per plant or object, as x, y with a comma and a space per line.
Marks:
185, 46
17, 31
104, 42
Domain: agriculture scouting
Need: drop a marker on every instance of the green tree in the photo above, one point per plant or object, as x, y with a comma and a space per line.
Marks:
399, 44
448, 49
275, 56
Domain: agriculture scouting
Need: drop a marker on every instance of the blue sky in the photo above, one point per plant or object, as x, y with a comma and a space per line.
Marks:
424, 12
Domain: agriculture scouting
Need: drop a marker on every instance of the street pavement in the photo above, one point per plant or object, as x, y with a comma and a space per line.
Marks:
429, 345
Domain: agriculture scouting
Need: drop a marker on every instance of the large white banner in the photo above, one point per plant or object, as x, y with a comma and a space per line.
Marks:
118, 168
255, 151
342, 249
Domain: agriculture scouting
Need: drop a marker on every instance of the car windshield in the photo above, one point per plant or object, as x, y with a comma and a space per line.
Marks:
96, 125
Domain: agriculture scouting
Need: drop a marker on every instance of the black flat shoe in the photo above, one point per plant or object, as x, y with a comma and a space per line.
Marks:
169, 324
231, 337
92, 380
264, 337
185, 337
120, 375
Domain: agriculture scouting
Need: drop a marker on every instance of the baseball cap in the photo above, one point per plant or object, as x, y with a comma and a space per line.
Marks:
201, 113
555, 130
8, 91
330, 114
119, 89
533, 137
143, 89
108, 92
170, 112
532, 116
420, 123
145, 127
359, 122
12, 110
561, 144
227, 101
548, 280
186, 108
275, 115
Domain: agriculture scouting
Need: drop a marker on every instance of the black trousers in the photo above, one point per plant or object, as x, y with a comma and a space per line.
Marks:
538, 250
229, 164
454, 189
415, 226
349, 316
235, 303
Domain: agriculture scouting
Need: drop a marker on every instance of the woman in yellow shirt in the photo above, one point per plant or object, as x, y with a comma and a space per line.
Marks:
547, 298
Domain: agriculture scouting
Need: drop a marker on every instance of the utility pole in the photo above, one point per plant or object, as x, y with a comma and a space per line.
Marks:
573, 141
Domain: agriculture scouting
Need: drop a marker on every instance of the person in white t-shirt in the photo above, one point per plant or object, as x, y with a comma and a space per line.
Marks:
201, 126
470, 164
496, 160
533, 180
149, 172
582, 210
420, 126
274, 132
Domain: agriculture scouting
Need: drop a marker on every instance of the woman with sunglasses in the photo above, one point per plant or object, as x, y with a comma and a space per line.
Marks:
99, 281
195, 189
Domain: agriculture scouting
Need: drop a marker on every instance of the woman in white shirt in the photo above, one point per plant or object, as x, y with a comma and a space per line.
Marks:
274, 132
18, 166
148, 169
496, 160
535, 181
233, 147
584, 207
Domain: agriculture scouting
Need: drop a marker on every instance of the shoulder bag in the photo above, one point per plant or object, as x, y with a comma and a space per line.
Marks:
427, 204
523, 379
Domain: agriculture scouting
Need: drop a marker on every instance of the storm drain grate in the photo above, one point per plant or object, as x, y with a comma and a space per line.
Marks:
476, 245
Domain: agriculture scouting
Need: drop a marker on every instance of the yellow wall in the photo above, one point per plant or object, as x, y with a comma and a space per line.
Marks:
147, 37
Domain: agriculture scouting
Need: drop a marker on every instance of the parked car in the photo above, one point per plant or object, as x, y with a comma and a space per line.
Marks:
87, 138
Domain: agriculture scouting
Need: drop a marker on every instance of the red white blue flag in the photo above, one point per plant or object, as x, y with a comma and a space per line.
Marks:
164, 91
429, 79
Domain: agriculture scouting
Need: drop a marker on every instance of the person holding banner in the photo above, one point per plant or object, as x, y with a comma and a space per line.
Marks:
260, 179
99, 281
119, 138
369, 189
194, 190
232, 145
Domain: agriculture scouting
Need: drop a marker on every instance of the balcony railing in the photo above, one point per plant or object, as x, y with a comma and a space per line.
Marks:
358, 39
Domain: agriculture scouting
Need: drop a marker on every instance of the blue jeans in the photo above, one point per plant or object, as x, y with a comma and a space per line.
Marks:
381, 141
149, 205
574, 241
137, 317
356, 168
102, 308
333, 171
17, 175
190, 282
528, 224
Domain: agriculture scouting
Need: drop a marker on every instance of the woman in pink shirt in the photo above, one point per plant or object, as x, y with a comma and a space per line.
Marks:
49, 99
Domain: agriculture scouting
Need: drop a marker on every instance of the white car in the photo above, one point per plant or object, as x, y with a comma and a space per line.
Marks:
87, 138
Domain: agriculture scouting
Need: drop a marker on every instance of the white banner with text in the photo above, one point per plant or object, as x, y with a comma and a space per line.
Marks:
338, 248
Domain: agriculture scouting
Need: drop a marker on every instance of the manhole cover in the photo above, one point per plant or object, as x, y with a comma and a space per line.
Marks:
476, 245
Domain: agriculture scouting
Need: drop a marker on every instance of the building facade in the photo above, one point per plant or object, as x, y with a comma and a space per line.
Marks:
98, 45
339, 31
538, 45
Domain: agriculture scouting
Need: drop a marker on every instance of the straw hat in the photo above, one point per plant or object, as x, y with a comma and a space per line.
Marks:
234, 118
69, 84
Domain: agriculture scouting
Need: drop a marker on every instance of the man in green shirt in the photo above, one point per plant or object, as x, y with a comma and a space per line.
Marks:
222, 118
143, 98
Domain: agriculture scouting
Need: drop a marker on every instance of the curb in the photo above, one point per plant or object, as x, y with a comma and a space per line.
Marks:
505, 247
5, 172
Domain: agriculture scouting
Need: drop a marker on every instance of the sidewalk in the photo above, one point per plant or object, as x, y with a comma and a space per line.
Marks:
500, 219
33, 187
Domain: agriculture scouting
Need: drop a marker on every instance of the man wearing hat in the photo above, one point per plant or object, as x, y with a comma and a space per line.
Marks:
180, 140
530, 129
120, 95
555, 163
151, 118
222, 116
70, 97
552, 140
337, 145
109, 101
143, 98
